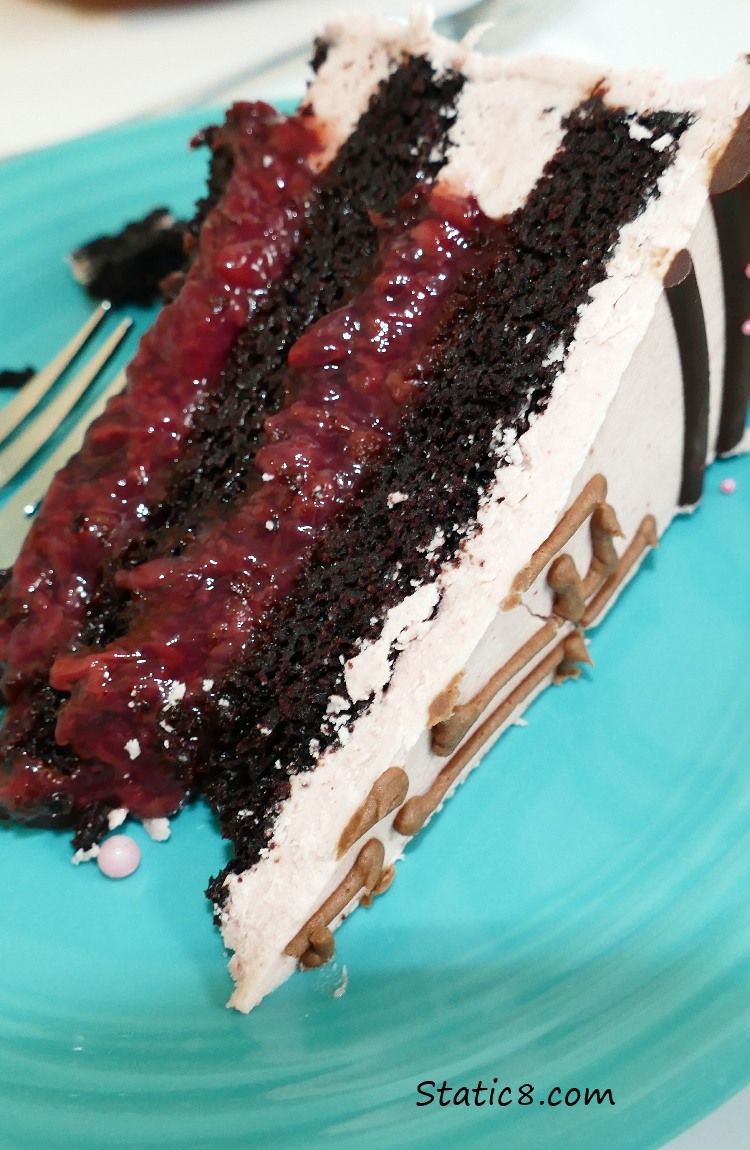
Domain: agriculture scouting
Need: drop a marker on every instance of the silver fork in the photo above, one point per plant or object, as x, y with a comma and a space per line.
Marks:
20, 448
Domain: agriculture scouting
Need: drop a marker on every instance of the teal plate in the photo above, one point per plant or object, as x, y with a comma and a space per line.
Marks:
577, 916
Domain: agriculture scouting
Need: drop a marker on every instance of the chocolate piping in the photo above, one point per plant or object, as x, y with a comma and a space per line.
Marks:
644, 537
594, 493
605, 574
415, 813
444, 704
321, 949
567, 584
686, 308
572, 592
387, 876
576, 653
314, 944
603, 527
562, 663
387, 792
447, 735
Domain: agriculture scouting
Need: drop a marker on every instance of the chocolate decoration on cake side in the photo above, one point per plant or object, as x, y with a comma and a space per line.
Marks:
387, 792
579, 511
447, 735
645, 537
732, 215
686, 309
314, 945
415, 812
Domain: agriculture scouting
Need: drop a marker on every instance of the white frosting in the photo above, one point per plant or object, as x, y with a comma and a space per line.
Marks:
117, 817
82, 855
361, 54
157, 829
616, 408
511, 106
369, 671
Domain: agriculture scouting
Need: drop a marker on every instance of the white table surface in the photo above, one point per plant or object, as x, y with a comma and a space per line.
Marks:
57, 81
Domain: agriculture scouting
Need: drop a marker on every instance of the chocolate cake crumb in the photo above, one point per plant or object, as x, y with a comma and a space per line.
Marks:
16, 379
128, 267
321, 48
92, 826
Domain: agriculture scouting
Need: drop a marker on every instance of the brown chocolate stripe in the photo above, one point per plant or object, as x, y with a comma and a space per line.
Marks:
686, 308
730, 199
732, 216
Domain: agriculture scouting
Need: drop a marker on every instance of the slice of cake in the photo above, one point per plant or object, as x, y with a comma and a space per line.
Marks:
456, 343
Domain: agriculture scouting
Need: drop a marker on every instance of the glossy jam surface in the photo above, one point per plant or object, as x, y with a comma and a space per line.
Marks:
350, 378
130, 452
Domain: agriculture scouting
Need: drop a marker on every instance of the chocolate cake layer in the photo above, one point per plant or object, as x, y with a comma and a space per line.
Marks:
130, 266
492, 365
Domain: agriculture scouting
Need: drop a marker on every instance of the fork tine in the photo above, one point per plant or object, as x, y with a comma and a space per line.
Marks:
25, 446
17, 512
38, 386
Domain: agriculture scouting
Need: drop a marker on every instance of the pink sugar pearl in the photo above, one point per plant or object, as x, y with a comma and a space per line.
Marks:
728, 486
118, 856
746, 327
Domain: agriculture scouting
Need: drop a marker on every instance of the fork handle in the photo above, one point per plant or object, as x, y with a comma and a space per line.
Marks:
18, 512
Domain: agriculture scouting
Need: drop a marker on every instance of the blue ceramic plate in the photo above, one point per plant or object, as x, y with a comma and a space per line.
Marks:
577, 916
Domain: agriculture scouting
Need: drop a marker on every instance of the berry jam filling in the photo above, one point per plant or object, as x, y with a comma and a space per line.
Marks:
131, 450
351, 377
